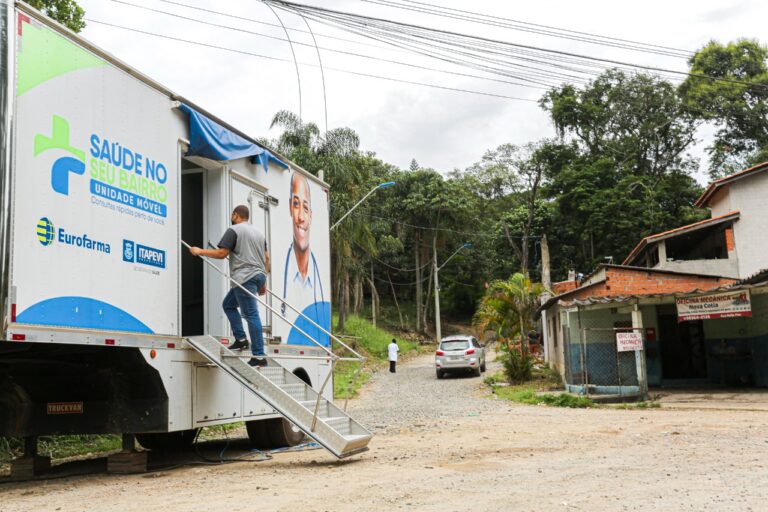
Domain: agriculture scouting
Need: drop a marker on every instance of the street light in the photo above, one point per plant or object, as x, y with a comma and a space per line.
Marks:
374, 189
437, 268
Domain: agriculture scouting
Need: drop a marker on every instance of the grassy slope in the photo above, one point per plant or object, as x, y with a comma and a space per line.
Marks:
371, 342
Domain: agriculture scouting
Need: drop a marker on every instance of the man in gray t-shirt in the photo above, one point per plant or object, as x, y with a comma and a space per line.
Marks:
248, 266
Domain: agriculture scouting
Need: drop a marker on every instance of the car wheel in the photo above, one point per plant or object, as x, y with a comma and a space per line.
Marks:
482, 367
477, 372
439, 374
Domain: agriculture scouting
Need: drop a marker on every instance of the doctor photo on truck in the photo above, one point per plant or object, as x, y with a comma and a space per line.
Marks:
302, 284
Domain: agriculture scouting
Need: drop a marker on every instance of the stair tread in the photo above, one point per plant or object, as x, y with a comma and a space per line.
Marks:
356, 437
336, 419
272, 384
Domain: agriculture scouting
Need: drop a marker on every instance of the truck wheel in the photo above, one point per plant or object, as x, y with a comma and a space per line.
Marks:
168, 441
273, 433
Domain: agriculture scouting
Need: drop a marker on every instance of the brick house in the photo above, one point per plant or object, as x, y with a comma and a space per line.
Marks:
714, 256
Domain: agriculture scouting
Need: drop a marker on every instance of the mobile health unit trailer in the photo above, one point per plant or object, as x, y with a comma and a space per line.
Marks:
109, 324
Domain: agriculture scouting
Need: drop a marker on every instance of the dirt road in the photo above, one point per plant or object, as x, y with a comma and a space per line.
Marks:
449, 448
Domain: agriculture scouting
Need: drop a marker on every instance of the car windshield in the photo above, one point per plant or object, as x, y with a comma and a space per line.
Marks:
454, 345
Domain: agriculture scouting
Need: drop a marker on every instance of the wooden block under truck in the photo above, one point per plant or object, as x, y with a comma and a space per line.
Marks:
109, 324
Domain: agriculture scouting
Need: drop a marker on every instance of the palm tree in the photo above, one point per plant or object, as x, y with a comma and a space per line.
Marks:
337, 153
508, 307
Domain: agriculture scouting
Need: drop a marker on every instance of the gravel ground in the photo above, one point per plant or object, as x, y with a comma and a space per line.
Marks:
414, 398
446, 446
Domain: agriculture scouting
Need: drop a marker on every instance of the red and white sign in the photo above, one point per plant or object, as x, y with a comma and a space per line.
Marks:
629, 341
65, 408
721, 305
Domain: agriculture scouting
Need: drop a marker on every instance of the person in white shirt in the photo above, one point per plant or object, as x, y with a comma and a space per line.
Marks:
393, 349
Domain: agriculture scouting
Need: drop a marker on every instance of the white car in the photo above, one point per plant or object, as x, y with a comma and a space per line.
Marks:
459, 353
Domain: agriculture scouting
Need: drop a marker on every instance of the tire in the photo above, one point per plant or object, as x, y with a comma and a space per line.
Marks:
477, 372
482, 367
168, 441
273, 433
439, 374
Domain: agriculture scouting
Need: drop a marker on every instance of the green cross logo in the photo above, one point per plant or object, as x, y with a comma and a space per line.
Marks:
62, 167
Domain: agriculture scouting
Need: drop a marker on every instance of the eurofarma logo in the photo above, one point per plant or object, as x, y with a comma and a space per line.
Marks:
46, 234
121, 175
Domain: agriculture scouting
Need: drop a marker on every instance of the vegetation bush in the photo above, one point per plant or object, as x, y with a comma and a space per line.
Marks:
518, 364
529, 396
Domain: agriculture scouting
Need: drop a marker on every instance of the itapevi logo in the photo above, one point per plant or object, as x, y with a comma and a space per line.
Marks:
128, 249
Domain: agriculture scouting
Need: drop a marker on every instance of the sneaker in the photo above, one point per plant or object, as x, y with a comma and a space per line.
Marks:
239, 345
258, 362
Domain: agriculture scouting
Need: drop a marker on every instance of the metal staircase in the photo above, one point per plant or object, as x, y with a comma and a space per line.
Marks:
317, 417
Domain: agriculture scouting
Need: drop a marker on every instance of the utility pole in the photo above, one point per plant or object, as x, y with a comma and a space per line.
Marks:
546, 280
438, 334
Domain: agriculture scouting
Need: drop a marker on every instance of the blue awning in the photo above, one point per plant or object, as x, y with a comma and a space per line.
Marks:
209, 139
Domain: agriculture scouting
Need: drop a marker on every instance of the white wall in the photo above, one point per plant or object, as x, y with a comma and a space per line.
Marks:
721, 203
749, 197
723, 267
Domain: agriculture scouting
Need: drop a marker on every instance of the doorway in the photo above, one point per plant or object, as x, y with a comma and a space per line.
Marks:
244, 191
683, 352
192, 269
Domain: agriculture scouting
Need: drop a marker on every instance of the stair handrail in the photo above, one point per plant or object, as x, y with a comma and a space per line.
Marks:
333, 356
335, 338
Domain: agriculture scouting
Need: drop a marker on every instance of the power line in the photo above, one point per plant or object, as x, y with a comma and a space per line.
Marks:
339, 70
497, 21
254, 20
390, 266
397, 39
389, 44
341, 18
470, 235
553, 28
293, 53
341, 52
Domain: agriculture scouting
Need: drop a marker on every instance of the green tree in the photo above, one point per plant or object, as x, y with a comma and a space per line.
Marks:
638, 120
508, 307
737, 103
628, 173
66, 12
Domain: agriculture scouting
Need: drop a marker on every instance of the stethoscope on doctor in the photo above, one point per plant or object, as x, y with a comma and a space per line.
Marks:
317, 285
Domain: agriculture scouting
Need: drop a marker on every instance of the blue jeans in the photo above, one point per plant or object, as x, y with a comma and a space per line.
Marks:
237, 298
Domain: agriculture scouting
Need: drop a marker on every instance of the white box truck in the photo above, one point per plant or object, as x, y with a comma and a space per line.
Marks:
109, 324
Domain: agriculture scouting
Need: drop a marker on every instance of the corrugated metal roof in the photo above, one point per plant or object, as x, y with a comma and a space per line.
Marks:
628, 298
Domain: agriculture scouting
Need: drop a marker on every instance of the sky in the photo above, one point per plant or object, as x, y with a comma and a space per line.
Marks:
441, 129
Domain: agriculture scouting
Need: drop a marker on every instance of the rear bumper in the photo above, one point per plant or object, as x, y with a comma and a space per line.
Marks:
463, 364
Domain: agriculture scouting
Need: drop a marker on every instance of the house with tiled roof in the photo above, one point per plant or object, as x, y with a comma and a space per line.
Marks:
694, 298
731, 243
